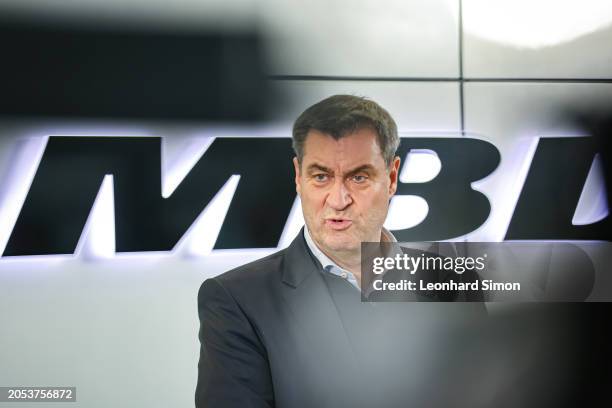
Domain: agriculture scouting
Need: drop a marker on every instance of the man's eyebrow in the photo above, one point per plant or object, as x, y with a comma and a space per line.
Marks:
359, 169
319, 167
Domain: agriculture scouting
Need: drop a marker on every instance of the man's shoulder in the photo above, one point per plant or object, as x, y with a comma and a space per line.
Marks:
262, 278
259, 273
258, 270
247, 284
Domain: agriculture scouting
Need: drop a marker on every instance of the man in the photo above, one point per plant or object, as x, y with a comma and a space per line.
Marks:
289, 330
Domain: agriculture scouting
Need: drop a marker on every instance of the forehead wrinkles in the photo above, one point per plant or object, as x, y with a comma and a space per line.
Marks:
339, 162
318, 144
343, 154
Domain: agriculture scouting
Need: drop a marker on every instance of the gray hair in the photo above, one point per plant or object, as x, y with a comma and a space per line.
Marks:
341, 115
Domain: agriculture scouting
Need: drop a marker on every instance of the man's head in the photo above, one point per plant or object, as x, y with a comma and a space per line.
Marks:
346, 170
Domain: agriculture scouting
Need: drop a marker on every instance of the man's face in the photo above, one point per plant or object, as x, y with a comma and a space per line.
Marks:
345, 187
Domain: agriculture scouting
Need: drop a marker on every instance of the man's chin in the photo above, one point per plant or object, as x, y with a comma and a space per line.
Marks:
341, 245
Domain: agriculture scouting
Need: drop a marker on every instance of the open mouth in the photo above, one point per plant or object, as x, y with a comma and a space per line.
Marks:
338, 224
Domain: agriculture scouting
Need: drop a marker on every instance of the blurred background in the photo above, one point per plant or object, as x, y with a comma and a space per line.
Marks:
144, 147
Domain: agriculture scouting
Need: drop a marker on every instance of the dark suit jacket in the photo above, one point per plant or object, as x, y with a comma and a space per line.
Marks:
280, 333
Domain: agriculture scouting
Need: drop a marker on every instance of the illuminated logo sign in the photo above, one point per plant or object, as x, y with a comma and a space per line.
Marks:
146, 218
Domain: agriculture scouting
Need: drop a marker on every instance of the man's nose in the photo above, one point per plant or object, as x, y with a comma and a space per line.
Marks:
339, 197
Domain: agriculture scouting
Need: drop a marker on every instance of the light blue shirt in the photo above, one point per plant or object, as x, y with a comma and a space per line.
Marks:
330, 266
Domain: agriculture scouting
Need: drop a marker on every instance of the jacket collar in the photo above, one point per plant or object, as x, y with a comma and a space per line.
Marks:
298, 261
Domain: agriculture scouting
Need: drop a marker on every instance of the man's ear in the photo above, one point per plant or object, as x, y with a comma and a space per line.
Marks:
394, 175
296, 167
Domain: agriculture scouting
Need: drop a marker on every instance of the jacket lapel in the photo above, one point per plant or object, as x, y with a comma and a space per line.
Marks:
315, 314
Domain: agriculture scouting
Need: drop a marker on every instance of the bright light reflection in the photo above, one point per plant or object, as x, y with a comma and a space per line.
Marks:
406, 211
534, 24
593, 203
17, 184
503, 196
98, 237
200, 238
294, 223
420, 166
177, 161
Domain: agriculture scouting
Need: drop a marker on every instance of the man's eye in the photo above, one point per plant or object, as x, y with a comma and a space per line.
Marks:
320, 177
359, 178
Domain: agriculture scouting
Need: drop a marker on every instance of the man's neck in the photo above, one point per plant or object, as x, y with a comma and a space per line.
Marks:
348, 260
